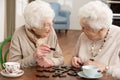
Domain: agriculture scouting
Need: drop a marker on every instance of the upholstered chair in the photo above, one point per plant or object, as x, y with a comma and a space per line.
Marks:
62, 17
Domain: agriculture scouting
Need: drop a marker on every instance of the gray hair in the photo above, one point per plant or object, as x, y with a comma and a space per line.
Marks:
36, 11
97, 14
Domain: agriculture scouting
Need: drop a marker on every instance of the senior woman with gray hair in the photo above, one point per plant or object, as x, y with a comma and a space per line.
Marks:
99, 43
32, 43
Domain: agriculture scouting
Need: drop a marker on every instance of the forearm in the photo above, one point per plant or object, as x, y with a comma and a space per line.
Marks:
77, 48
114, 66
24, 62
57, 58
29, 61
114, 70
58, 61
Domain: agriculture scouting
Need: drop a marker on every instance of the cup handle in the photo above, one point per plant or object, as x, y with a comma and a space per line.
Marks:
5, 68
3, 65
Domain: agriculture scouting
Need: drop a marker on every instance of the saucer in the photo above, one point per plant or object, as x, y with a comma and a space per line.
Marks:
20, 73
81, 74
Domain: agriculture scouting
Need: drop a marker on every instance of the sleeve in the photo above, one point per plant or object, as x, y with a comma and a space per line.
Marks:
115, 69
57, 58
77, 47
16, 54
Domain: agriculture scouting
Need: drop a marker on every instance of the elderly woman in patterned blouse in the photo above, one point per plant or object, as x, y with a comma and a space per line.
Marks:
32, 43
99, 43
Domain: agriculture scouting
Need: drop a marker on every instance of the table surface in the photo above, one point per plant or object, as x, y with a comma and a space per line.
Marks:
30, 74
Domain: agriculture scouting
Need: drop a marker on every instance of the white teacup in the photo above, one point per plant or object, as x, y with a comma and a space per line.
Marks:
12, 67
90, 70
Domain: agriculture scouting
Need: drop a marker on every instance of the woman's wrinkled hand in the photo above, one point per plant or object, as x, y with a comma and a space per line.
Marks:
76, 62
44, 62
101, 66
42, 50
40, 55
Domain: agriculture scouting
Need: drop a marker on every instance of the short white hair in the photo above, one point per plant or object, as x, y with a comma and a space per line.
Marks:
97, 14
36, 11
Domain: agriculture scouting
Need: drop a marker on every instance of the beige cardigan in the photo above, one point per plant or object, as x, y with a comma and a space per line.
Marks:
22, 48
110, 54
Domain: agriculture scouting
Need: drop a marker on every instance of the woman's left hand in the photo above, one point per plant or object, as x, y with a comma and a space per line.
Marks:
44, 62
101, 66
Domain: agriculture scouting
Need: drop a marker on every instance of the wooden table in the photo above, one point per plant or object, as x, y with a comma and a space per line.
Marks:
30, 74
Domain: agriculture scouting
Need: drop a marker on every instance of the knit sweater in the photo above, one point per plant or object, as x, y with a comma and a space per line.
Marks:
22, 49
110, 54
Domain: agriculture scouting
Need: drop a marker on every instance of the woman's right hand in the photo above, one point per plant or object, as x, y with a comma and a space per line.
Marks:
42, 50
76, 62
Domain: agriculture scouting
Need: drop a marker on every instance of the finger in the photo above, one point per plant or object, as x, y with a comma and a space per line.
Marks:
85, 63
45, 49
46, 65
41, 64
75, 64
45, 45
41, 58
41, 52
45, 52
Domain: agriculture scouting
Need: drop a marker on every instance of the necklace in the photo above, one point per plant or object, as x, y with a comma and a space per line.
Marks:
95, 53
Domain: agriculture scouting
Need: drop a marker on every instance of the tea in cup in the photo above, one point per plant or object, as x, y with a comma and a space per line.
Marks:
90, 70
12, 67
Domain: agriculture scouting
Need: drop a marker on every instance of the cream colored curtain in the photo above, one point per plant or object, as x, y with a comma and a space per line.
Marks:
10, 17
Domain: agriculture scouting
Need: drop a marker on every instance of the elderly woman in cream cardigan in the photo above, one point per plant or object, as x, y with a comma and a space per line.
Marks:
99, 43
35, 43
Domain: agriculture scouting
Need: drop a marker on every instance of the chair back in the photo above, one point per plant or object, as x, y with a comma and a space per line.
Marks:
62, 17
56, 7
4, 50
